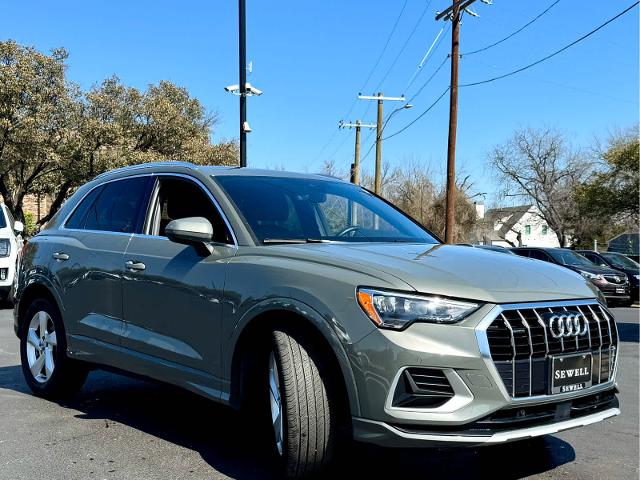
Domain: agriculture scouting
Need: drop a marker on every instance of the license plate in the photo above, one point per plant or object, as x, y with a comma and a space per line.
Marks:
570, 373
620, 290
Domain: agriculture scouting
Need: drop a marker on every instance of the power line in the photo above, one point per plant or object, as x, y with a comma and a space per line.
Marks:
402, 49
404, 46
386, 45
537, 62
429, 79
514, 33
427, 110
514, 72
419, 116
355, 100
432, 49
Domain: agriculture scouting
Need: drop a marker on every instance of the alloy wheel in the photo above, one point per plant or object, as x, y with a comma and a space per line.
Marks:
275, 400
41, 346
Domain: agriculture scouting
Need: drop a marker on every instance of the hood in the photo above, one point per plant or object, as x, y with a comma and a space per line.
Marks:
454, 270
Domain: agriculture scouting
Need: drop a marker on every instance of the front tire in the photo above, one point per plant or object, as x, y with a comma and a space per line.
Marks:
302, 412
46, 368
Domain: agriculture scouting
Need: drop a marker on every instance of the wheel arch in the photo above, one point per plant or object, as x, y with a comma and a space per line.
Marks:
250, 336
36, 288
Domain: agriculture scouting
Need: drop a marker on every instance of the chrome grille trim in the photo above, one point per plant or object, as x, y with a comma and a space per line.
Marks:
601, 329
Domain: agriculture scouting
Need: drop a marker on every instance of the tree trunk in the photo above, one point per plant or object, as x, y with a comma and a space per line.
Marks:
57, 203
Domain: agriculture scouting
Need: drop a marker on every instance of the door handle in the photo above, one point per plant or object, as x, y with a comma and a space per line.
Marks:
61, 257
135, 266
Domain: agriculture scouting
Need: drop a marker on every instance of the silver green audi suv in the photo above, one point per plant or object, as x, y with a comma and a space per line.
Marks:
319, 307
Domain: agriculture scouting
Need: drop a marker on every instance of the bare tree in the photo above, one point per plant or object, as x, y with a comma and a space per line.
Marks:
538, 167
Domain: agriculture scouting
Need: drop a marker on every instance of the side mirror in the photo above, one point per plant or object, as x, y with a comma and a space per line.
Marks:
18, 227
196, 231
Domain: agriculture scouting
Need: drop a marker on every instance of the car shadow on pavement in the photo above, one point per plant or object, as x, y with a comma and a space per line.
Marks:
231, 445
629, 332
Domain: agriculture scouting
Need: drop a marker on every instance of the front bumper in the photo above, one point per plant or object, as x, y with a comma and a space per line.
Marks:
614, 292
379, 359
7, 271
387, 435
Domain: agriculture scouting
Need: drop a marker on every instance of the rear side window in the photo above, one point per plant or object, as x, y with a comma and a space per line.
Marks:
116, 207
80, 214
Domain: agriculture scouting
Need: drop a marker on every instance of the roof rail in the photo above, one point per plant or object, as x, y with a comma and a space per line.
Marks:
147, 165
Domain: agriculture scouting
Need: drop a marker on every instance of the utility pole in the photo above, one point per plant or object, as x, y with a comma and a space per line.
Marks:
355, 170
380, 98
453, 13
242, 67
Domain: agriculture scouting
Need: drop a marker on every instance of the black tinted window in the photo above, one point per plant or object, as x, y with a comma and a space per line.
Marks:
79, 215
538, 255
281, 208
116, 208
3, 221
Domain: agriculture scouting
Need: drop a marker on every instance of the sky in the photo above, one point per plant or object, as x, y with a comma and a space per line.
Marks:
312, 58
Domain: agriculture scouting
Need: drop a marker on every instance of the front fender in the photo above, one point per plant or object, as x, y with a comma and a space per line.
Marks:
326, 325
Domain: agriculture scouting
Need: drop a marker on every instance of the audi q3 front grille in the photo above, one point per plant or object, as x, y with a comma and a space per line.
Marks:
522, 342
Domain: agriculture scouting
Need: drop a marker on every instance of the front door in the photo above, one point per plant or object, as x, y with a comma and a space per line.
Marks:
173, 294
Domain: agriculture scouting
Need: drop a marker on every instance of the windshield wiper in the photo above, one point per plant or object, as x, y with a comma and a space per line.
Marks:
271, 241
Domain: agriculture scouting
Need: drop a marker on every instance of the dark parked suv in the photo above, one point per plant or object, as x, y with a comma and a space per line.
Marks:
618, 261
315, 304
613, 284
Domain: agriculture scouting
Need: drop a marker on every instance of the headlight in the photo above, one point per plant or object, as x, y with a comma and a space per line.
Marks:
5, 247
591, 276
396, 310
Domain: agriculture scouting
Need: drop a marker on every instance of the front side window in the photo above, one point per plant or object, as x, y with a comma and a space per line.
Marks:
297, 209
180, 198
117, 206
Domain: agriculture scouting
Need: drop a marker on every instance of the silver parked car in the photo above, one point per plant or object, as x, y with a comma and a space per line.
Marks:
316, 304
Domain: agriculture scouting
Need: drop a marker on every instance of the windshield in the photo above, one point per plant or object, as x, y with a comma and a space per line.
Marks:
621, 261
301, 209
568, 257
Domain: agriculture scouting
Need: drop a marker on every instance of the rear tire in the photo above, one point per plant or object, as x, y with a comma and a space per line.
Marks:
48, 371
305, 436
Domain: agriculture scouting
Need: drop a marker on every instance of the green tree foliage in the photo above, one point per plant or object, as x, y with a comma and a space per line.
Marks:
614, 191
54, 137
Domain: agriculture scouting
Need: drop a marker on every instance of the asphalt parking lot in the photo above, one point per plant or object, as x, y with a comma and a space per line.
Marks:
119, 428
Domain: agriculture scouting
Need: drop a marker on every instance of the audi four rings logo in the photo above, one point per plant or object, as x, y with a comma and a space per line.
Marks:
567, 324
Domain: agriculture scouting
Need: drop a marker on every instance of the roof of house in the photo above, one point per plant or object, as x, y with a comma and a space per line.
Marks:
508, 216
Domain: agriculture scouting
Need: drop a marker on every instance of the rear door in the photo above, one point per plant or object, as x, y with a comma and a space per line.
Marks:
173, 295
87, 259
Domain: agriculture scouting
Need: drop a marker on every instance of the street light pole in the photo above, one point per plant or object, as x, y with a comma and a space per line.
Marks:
242, 65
